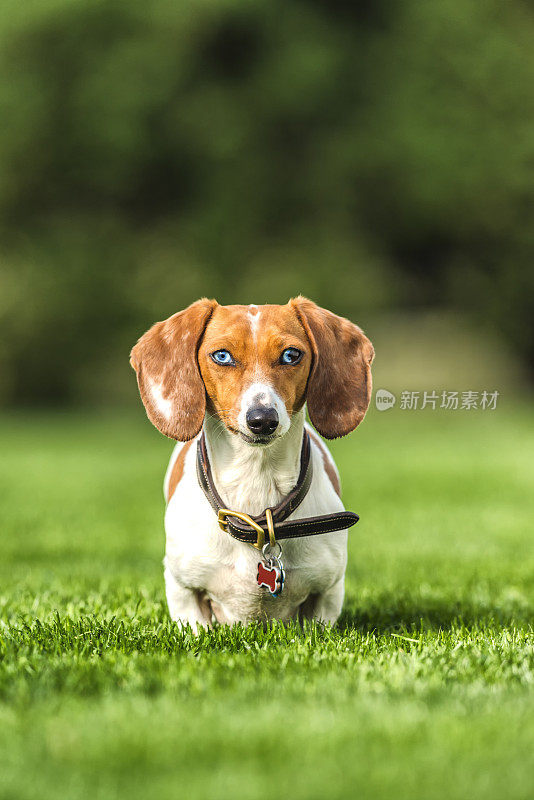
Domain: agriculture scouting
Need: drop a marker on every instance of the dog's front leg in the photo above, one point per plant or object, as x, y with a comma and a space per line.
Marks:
186, 606
325, 607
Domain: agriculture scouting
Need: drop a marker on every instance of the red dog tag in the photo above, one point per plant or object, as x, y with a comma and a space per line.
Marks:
272, 577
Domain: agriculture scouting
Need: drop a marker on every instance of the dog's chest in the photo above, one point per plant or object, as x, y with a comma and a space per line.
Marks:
204, 558
235, 593
208, 560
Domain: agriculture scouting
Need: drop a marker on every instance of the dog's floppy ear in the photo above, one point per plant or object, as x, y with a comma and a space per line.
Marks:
339, 384
165, 360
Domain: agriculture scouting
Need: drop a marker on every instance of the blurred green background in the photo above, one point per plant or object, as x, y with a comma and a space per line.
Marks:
377, 156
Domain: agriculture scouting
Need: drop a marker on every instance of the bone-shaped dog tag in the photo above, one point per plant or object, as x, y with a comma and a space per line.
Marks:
271, 575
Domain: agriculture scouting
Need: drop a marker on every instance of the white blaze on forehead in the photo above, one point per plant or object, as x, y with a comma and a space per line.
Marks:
164, 406
263, 394
254, 319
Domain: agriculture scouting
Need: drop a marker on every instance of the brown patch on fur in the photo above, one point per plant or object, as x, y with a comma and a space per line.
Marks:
339, 386
256, 344
165, 360
328, 466
177, 470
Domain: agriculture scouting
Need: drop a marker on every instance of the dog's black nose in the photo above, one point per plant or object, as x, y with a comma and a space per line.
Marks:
262, 420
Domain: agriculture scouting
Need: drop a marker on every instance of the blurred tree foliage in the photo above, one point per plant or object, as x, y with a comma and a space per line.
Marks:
370, 154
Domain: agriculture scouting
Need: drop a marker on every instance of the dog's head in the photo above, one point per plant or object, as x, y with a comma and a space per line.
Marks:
254, 367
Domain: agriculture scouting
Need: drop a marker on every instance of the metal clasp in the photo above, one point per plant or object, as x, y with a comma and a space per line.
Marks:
226, 512
270, 526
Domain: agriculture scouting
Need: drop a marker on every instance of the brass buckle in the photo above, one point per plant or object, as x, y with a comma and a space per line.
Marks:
226, 512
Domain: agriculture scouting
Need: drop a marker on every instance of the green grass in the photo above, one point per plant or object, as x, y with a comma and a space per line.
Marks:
423, 691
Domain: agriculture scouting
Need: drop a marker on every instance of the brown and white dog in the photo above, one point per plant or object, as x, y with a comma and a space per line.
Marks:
243, 375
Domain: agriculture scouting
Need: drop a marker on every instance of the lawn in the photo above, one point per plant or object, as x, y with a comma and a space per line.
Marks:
424, 690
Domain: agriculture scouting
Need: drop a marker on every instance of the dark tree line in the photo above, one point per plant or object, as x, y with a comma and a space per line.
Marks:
370, 154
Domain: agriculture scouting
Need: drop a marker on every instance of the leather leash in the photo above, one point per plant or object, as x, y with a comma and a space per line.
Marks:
273, 522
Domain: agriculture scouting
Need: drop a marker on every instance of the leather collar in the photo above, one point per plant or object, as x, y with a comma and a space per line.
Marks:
308, 526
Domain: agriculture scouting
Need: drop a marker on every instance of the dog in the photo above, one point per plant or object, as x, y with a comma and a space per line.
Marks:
231, 384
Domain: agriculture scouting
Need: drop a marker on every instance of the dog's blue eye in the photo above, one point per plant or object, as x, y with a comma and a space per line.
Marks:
223, 357
291, 356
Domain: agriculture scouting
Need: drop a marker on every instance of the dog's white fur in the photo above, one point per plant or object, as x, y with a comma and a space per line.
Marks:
211, 576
